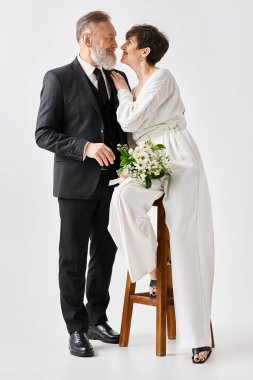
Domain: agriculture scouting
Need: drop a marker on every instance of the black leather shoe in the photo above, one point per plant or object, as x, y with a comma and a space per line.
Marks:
104, 333
79, 344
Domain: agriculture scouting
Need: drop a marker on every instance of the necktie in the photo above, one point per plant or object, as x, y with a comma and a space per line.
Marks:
101, 86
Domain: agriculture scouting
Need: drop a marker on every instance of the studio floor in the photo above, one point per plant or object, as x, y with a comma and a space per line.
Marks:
46, 357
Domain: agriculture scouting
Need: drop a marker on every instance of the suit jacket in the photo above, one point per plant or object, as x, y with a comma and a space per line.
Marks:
69, 116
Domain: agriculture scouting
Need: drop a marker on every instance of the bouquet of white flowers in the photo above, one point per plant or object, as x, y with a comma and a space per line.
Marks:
145, 162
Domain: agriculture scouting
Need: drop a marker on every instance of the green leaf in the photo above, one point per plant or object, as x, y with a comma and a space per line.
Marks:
123, 161
160, 146
120, 171
148, 183
124, 153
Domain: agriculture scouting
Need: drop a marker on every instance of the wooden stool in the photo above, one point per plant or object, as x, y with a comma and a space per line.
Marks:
164, 302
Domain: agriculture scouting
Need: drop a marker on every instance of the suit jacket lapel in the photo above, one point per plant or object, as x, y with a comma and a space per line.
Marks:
113, 89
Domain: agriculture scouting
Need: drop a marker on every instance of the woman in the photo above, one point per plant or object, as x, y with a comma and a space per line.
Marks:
154, 110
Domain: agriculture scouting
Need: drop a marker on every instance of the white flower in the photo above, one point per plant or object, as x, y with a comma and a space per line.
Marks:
146, 161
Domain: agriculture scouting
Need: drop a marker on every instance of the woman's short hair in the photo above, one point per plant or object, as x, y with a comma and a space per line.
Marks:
149, 36
88, 20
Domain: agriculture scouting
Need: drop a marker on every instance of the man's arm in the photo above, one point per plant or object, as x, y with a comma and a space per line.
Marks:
49, 122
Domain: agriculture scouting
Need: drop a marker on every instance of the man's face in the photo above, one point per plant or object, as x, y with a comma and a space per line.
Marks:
104, 45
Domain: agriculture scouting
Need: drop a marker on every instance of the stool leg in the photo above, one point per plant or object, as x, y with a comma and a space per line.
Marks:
127, 313
171, 322
161, 305
211, 327
171, 317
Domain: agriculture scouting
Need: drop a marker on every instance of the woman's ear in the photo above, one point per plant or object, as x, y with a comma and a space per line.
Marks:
146, 52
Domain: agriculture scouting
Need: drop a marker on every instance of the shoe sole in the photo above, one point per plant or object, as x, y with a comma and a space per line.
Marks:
84, 355
92, 336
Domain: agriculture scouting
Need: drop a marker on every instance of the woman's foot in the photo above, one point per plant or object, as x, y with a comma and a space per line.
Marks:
153, 285
152, 289
201, 354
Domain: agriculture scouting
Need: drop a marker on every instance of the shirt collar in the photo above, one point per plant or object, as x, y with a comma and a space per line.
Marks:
87, 67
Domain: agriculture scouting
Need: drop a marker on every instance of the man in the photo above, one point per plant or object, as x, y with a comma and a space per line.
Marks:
77, 121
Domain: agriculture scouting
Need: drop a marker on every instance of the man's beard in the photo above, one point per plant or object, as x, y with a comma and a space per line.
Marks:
102, 58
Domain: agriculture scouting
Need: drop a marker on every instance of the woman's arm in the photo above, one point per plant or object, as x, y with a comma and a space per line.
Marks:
131, 115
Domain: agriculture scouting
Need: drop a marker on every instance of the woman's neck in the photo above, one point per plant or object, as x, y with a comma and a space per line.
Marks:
143, 72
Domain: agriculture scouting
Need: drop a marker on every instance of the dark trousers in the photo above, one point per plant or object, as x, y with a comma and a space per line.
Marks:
82, 220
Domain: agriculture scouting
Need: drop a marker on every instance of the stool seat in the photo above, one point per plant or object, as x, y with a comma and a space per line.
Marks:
164, 302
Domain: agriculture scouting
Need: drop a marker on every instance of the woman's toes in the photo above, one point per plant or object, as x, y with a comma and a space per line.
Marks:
196, 358
203, 355
152, 291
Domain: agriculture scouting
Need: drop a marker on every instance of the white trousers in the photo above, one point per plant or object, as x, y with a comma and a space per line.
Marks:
189, 219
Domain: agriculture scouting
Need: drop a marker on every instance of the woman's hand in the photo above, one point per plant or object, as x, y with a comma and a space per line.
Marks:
124, 175
119, 81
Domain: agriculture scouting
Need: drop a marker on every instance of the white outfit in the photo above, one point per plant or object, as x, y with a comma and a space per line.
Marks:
158, 114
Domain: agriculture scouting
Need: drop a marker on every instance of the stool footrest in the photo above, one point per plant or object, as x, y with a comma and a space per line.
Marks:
143, 299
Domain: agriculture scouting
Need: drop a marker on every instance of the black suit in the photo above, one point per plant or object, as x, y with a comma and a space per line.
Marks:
71, 114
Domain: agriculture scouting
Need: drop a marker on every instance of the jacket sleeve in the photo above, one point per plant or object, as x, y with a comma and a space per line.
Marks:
48, 132
131, 115
126, 79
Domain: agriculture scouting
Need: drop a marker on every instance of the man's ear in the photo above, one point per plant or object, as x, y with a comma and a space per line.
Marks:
87, 39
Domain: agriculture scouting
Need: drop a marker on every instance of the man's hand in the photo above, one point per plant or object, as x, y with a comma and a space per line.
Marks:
119, 81
102, 153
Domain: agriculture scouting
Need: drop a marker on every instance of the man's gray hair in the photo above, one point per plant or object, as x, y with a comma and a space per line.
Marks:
88, 20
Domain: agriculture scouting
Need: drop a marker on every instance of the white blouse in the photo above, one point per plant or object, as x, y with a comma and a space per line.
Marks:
157, 107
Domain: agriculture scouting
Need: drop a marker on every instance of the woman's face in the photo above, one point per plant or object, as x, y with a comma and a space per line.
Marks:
131, 54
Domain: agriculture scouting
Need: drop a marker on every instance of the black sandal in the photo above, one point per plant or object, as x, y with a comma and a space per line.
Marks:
153, 284
197, 351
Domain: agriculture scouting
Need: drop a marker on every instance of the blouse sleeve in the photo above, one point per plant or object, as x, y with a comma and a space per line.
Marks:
131, 115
